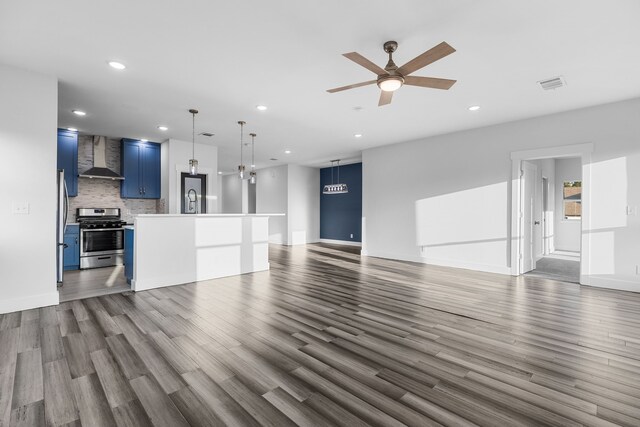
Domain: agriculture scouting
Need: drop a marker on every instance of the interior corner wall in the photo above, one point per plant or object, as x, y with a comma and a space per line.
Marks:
303, 195
28, 133
567, 232
452, 205
341, 214
231, 194
272, 197
177, 158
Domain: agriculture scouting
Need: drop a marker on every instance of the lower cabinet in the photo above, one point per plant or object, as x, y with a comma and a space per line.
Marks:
72, 248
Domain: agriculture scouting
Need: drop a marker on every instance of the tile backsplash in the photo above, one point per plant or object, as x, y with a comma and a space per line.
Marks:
104, 193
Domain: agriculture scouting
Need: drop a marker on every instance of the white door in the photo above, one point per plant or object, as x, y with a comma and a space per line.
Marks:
527, 252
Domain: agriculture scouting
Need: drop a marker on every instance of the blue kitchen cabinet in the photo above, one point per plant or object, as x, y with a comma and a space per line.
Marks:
140, 163
68, 159
72, 248
128, 254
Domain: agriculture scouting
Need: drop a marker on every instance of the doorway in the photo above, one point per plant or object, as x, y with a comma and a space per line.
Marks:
194, 193
548, 196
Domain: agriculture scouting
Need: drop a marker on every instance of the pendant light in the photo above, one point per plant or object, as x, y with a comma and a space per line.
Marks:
252, 174
337, 188
241, 166
193, 163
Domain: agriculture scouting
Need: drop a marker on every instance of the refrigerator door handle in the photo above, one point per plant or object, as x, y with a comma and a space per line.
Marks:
66, 205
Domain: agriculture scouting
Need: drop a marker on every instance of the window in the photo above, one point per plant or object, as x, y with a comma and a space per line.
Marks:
572, 199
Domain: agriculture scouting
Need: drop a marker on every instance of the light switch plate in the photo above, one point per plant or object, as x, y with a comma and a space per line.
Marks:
20, 208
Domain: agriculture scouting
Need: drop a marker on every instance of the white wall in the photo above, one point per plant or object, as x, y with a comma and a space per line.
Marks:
567, 232
442, 175
231, 194
304, 205
175, 160
28, 135
272, 197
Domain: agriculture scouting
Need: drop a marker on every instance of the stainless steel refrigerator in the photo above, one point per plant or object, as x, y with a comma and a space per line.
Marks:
63, 207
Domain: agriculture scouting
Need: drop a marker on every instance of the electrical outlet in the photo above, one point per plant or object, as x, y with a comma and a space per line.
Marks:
20, 208
351, 235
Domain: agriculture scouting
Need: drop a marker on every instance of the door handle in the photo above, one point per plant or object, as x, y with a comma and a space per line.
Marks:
536, 222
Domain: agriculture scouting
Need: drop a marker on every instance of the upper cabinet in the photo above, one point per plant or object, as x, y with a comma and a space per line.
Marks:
68, 159
141, 169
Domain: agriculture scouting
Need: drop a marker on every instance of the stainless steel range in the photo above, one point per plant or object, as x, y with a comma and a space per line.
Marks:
101, 237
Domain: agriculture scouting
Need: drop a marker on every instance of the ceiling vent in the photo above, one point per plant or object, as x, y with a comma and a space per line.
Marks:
554, 83
208, 134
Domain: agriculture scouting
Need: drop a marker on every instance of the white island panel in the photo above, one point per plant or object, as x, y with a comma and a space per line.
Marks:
176, 249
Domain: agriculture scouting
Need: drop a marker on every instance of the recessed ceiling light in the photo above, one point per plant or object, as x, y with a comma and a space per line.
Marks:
163, 128
261, 107
79, 113
219, 172
144, 140
253, 166
287, 151
474, 108
117, 65
72, 129
357, 135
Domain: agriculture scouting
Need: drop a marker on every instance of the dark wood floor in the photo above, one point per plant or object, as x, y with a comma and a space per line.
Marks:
326, 338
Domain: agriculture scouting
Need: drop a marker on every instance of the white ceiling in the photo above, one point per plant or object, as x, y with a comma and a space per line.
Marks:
224, 58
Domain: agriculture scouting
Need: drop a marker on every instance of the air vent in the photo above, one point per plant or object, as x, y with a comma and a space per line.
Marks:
274, 160
554, 83
209, 134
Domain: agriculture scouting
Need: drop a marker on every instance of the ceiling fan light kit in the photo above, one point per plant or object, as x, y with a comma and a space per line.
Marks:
390, 83
391, 77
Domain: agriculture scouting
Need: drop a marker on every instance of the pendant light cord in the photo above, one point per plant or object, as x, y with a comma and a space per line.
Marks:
193, 136
241, 138
332, 166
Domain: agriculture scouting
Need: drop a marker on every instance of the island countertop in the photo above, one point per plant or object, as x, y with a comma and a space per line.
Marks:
206, 215
172, 249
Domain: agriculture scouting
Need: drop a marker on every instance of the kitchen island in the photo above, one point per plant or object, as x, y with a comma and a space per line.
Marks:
167, 250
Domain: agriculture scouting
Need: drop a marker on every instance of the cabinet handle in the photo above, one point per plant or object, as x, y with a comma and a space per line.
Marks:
140, 190
144, 190
76, 240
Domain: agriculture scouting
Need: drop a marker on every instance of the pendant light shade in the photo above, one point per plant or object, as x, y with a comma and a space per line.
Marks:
241, 166
252, 174
193, 163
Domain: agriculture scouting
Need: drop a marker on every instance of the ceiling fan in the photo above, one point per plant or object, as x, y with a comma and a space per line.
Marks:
392, 77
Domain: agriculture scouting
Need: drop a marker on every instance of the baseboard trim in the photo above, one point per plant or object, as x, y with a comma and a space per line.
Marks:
27, 303
341, 242
487, 268
610, 283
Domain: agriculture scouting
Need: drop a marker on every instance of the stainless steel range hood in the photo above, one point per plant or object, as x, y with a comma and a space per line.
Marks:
100, 169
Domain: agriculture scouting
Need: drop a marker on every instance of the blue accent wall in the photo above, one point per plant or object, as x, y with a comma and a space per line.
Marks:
341, 214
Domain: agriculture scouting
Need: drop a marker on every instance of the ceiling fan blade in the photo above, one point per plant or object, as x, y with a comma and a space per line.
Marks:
338, 89
385, 98
430, 56
431, 82
361, 60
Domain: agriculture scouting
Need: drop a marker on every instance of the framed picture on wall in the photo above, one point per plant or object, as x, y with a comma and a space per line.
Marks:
194, 193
